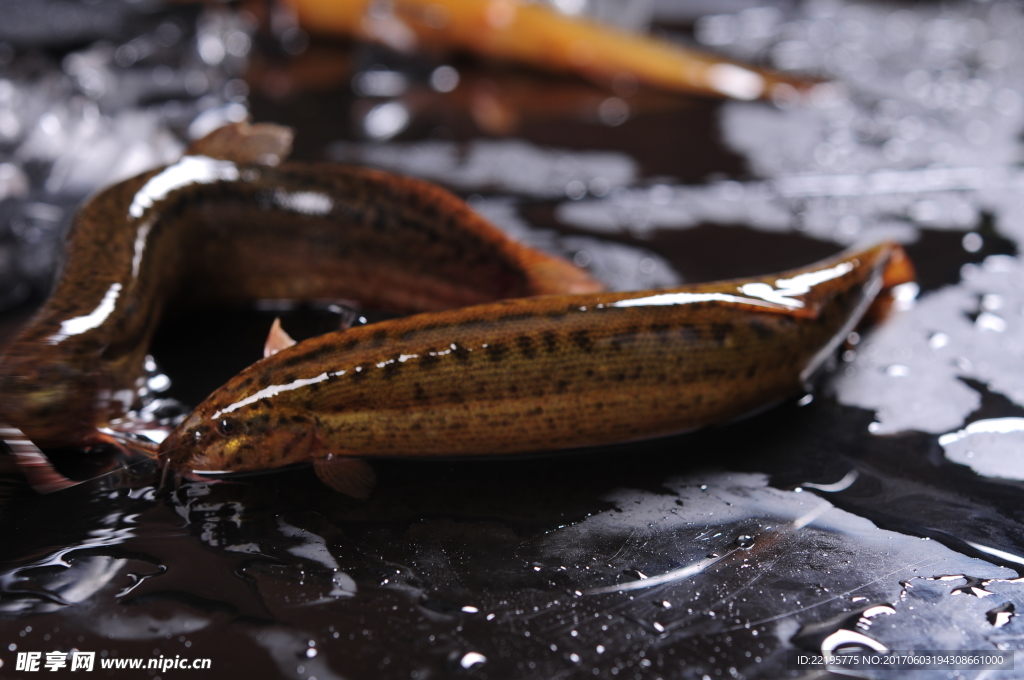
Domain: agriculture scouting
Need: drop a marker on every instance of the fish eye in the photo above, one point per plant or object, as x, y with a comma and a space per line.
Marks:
226, 426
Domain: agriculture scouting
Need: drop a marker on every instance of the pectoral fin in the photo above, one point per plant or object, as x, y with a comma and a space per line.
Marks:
351, 476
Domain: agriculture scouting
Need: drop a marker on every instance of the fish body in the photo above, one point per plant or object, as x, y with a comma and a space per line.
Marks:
537, 374
231, 230
539, 36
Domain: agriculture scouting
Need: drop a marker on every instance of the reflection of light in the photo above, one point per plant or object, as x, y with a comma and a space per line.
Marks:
380, 83
845, 638
140, 247
305, 202
1009, 557
93, 319
989, 426
384, 121
189, 170
444, 79
845, 483
569, 6
801, 284
690, 298
472, 659
735, 81
272, 391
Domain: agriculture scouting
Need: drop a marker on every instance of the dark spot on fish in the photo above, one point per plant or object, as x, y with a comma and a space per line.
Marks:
358, 376
351, 344
689, 334
760, 330
311, 356
419, 393
620, 377
581, 339
561, 386
460, 352
720, 332
752, 371
428, 361
407, 335
512, 389
392, 368
525, 345
661, 330
496, 352
550, 339
379, 338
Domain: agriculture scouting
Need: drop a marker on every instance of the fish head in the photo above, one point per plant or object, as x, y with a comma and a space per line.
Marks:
211, 442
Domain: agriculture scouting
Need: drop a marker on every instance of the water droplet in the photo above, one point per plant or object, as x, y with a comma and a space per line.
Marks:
471, 659
1001, 615
745, 541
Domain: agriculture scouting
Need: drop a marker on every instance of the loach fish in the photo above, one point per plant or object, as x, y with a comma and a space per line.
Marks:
226, 225
533, 34
535, 374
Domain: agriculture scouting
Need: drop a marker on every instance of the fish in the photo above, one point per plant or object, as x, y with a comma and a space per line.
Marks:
537, 374
232, 223
533, 34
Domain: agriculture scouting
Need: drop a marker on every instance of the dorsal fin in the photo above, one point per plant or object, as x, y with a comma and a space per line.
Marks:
263, 143
277, 339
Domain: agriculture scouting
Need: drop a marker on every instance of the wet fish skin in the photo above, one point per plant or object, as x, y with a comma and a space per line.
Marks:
537, 374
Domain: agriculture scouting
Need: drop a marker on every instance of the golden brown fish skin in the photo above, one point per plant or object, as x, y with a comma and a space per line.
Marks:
235, 233
535, 374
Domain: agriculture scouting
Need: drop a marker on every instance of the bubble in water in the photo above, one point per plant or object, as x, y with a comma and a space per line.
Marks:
745, 541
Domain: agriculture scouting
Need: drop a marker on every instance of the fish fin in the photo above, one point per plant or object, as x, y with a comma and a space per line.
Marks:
33, 463
277, 339
263, 143
127, 442
351, 476
349, 311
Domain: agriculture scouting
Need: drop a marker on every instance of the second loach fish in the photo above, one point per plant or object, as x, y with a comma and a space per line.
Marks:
534, 374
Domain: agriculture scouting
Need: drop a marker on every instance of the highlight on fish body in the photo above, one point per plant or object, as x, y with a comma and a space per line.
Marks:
535, 374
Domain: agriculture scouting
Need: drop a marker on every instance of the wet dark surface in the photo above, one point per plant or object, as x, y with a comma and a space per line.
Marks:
707, 555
